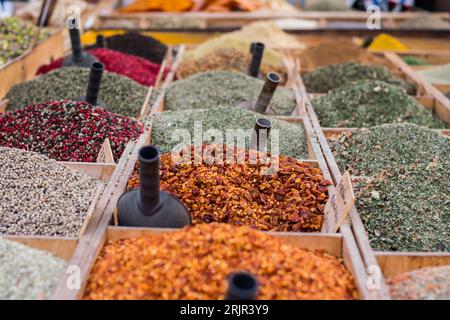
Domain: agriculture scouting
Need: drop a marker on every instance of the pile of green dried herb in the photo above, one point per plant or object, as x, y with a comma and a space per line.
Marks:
438, 74
221, 88
369, 103
424, 284
330, 77
408, 207
424, 21
368, 152
121, 95
328, 5
415, 61
292, 139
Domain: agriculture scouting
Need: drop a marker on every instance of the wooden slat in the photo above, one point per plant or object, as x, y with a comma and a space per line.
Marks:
393, 263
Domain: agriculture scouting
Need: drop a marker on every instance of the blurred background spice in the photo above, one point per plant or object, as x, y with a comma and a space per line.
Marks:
42, 197
139, 69
226, 59
121, 95
328, 5
228, 89
290, 199
194, 263
291, 136
438, 74
67, 130
330, 77
425, 284
27, 274
424, 21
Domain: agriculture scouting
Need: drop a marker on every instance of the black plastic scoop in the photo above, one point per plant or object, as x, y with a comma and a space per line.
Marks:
78, 58
260, 134
262, 103
257, 51
242, 286
93, 87
148, 206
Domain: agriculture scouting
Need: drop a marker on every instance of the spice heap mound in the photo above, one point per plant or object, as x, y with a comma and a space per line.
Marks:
407, 208
225, 59
120, 94
194, 263
415, 61
328, 5
331, 77
16, 37
438, 74
423, 284
221, 88
136, 68
369, 103
67, 130
27, 274
138, 45
291, 198
337, 52
291, 136
424, 21
368, 152
41, 196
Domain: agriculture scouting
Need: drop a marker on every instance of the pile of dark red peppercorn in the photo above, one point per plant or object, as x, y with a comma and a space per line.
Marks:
67, 130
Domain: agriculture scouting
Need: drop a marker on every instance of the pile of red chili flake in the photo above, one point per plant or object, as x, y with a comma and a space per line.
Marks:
67, 130
133, 67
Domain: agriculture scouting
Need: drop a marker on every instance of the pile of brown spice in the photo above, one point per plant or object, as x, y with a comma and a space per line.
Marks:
194, 263
225, 59
290, 199
336, 52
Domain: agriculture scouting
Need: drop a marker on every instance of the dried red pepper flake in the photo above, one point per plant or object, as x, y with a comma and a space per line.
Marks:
133, 67
67, 130
291, 199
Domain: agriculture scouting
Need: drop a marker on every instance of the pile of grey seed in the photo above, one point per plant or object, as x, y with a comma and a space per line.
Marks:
121, 94
292, 138
26, 273
223, 88
42, 197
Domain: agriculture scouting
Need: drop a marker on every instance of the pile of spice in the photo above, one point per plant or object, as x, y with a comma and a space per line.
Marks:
194, 263
336, 52
138, 45
424, 21
328, 5
291, 198
225, 59
407, 207
67, 130
438, 74
291, 136
330, 77
368, 152
139, 69
221, 88
120, 94
415, 61
42, 197
425, 284
27, 274
16, 37
369, 103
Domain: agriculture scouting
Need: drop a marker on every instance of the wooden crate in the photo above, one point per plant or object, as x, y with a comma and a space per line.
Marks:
24, 67
391, 263
335, 245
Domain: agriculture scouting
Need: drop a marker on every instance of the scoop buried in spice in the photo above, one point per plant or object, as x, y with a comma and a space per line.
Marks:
148, 206
242, 286
261, 105
260, 134
78, 58
93, 87
257, 51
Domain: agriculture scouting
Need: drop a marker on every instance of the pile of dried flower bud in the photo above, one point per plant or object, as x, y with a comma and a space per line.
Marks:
369, 103
333, 76
222, 88
121, 95
42, 197
67, 130
225, 59
291, 198
139, 69
291, 136
27, 274
194, 263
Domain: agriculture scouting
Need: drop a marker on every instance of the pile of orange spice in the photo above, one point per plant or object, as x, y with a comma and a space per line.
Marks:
194, 263
291, 198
